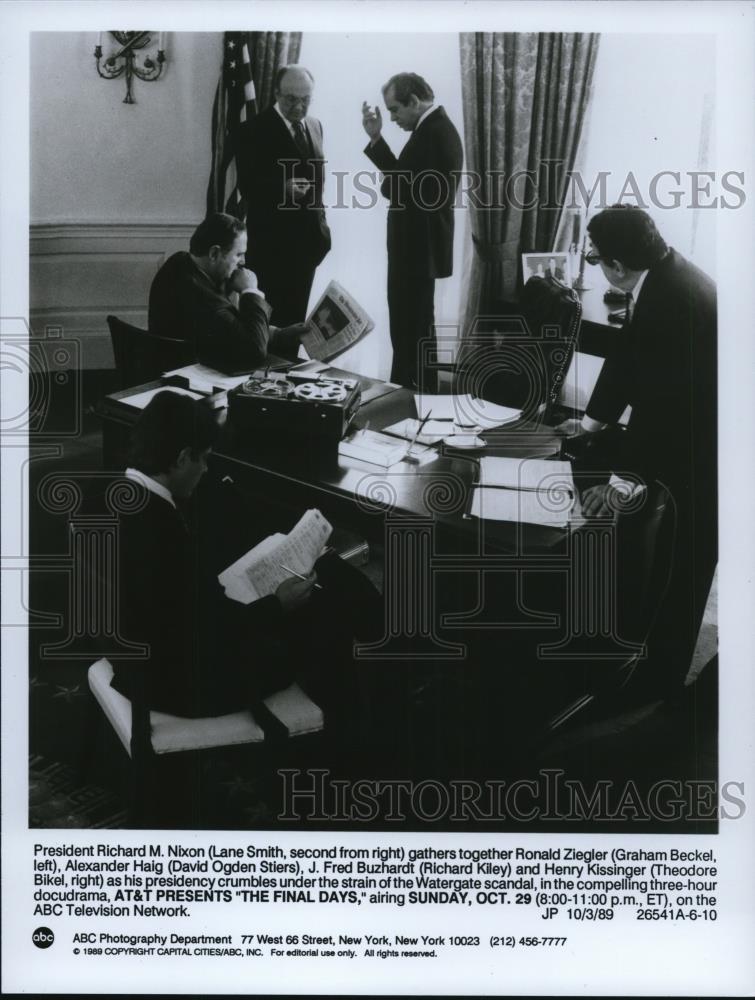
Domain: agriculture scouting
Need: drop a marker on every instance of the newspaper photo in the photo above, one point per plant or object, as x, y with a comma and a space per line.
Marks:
492, 733
336, 323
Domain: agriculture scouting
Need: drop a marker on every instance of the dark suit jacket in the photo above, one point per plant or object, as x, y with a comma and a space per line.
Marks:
421, 186
185, 304
267, 158
207, 654
665, 368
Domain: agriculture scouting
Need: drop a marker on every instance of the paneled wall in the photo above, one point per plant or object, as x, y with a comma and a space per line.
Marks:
80, 273
114, 187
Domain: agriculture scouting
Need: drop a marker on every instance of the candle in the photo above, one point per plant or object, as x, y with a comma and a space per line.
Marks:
160, 42
99, 40
576, 228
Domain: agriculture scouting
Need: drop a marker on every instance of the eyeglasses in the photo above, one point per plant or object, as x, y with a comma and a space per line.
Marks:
290, 100
593, 258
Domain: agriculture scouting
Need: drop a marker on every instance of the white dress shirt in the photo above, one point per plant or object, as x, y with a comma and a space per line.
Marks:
151, 484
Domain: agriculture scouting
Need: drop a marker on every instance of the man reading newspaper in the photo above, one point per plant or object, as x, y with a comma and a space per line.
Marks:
208, 654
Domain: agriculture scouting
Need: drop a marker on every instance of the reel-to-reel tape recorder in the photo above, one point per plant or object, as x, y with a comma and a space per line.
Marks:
305, 406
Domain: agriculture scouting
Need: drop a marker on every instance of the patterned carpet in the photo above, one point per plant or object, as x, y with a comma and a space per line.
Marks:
58, 800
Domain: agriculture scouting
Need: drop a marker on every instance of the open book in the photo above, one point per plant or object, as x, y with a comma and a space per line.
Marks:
260, 572
336, 322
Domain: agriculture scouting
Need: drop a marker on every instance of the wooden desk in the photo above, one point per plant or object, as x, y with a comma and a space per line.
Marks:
456, 588
346, 488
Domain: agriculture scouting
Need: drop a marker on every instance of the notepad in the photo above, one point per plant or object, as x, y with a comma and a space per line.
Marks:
259, 572
524, 490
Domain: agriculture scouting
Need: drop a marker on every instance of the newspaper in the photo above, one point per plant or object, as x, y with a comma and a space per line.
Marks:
336, 323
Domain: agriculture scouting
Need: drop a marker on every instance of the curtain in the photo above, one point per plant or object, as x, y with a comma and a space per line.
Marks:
269, 50
525, 97
246, 85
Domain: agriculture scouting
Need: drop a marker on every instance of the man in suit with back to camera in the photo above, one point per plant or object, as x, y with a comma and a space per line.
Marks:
281, 169
664, 367
210, 655
420, 185
193, 297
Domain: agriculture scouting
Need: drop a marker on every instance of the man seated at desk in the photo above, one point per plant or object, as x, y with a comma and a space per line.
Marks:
209, 655
190, 299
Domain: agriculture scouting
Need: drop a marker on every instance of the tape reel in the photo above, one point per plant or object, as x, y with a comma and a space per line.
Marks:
267, 387
329, 392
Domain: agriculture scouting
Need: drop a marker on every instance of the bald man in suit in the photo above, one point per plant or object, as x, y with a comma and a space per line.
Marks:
281, 170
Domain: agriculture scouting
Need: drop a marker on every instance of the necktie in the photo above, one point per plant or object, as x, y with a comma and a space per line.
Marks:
300, 138
629, 307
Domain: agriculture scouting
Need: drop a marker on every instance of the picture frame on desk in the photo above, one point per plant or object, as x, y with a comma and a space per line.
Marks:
556, 264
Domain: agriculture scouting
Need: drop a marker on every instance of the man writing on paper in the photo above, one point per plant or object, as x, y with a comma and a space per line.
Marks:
420, 185
281, 167
192, 298
209, 655
665, 369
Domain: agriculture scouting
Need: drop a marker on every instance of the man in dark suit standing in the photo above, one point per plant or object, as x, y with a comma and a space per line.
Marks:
664, 367
281, 169
420, 185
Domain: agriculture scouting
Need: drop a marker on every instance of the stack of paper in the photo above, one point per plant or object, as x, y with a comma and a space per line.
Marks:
465, 411
373, 447
525, 490
261, 571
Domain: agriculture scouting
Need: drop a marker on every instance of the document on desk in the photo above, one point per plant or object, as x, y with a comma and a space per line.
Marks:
526, 473
528, 491
141, 399
202, 378
465, 410
260, 571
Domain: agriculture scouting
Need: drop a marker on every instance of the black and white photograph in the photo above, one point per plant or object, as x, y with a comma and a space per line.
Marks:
541, 265
493, 669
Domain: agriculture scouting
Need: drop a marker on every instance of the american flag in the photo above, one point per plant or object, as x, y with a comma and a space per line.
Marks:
235, 102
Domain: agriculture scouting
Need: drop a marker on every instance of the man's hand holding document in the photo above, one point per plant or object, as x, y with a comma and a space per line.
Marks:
335, 324
277, 559
524, 490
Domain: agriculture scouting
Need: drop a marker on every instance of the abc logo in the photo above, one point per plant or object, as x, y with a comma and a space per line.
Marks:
43, 937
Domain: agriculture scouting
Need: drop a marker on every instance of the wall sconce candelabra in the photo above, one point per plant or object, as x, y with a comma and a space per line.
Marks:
124, 61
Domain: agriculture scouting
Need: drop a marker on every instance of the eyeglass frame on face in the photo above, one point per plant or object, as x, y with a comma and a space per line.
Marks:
291, 100
593, 258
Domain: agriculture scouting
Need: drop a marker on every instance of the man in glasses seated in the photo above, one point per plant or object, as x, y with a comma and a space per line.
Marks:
664, 368
281, 164
211, 299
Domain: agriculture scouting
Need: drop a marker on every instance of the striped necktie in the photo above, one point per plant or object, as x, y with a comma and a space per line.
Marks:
300, 138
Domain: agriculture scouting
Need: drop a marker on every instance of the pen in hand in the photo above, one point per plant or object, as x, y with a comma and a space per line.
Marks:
294, 573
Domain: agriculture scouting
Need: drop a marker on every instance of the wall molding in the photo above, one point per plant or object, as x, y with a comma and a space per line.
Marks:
81, 272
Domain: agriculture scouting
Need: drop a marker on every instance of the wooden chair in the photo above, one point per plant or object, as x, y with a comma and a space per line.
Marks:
147, 737
141, 356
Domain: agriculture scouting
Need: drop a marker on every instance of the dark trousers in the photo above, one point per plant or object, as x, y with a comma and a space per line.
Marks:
287, 285
411, 305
